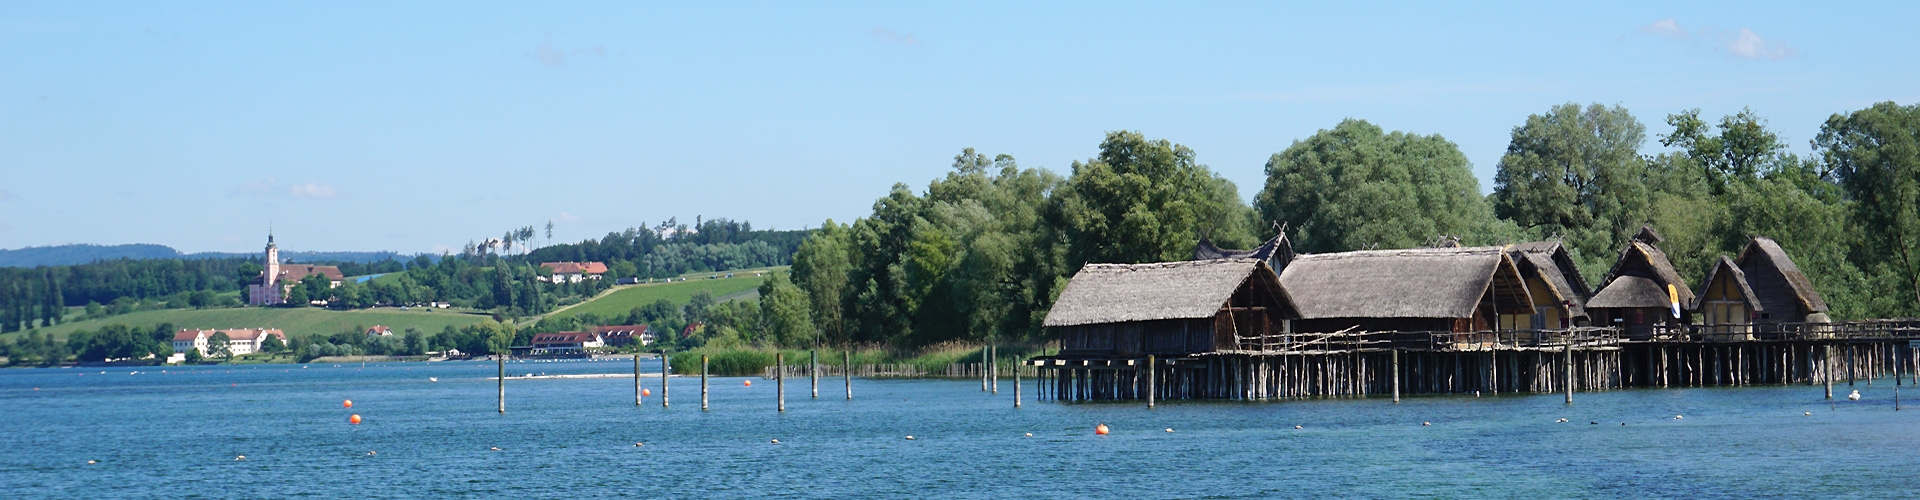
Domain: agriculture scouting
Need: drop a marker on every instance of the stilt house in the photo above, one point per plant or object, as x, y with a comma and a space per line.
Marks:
1168, 308
1423, 289
1634, 294
1759, 289
1559, 293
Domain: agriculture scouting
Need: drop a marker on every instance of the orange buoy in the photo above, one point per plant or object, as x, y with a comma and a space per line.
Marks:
347, 403
354, 419
646, 392
1101, 430
749, 383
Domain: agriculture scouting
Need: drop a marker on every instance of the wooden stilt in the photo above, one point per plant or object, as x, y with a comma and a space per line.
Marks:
502, 361
703, 381
1396, 376
636, 380
1151, 391
780, 380
813, 371
666, 373
847, 364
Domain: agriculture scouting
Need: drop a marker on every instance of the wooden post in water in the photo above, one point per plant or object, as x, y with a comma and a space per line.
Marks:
983, 368
636, 379
666, 372
813, 370
502, 359
847, 370
1569, 362
993, 368
1826, 368
1396, 376
703, 381
1016, 383
1150, 380
780, 379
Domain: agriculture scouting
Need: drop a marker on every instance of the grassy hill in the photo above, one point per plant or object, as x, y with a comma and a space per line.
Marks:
623, 300
301, 321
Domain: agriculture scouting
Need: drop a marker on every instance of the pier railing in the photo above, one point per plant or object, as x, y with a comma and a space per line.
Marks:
1346, 341
1870, 330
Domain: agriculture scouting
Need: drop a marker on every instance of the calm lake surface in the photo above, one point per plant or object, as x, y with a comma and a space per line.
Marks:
174, 432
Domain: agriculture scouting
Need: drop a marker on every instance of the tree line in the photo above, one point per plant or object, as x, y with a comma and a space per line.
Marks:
981, 253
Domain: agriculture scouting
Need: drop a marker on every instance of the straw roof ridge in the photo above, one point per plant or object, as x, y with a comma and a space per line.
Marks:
1116, 293
1802, 287
1402, 283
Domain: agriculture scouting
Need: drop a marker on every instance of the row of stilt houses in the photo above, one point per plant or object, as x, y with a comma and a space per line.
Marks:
1270, 323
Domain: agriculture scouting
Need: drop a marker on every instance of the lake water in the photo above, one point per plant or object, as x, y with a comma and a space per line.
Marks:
176, 434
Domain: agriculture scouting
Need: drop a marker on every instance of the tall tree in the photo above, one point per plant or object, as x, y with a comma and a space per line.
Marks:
783, 309
821, 268
1356, 186
1142, 200
1576, 172
1875, 153
1738, 152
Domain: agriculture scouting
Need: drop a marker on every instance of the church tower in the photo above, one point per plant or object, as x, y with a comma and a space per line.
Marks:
273, 263
268, 291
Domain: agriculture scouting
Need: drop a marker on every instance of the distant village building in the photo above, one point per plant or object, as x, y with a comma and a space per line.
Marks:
573, 272
624, 335
379, 331
242, 341
277, 280
1634, 296
565, 342
1760, 288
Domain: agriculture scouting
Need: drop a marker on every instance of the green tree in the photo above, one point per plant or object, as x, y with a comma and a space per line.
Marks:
193, 357
1875, 153
272, 344
820, 268
220, 346
1143, 200
1741, 149
1356, 186
1576, 172
783, 309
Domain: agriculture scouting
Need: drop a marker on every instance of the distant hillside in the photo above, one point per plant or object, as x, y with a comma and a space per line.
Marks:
68, 255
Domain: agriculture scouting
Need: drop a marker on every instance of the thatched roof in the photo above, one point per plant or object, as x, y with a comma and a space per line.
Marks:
1640, 259
1117, 293
1550, 261
1410, 283
1766, 248
1726, 267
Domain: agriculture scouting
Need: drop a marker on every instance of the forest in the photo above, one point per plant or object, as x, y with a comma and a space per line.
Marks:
979, 254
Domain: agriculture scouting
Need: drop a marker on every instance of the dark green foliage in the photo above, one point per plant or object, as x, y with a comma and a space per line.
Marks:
1356, 187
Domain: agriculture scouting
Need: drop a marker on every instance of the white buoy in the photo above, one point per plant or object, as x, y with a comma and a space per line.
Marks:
1855, 396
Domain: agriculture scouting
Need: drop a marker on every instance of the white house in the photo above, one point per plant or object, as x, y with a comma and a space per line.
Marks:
565, 342
242, 341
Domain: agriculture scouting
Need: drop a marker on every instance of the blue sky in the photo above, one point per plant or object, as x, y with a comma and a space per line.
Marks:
418, 127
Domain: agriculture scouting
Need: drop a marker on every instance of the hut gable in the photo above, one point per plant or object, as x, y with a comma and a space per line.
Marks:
1776, 282
1409, 283
1550, 261
1727, 276
1639, 279
1120, 293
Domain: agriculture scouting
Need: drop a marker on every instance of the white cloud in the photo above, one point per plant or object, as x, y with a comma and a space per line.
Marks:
1666, 28
1746, 44
889, 36
549, 56
567, 217
256, 187
1742, 43
314, 191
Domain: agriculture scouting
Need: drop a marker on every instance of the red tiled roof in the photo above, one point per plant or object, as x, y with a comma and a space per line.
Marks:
297, 271
575, 267
620, 330
379, 330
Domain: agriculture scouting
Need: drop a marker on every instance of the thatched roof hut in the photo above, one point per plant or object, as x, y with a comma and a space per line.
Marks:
1168, 307
1421, 289
1554, 280
1761, 286
1634, 293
